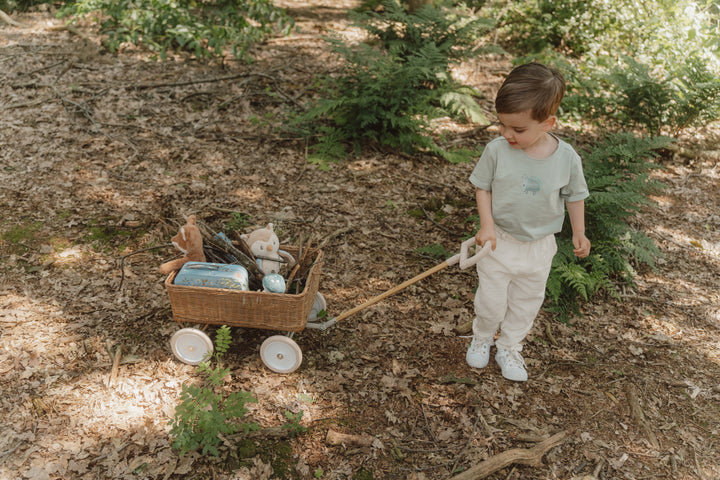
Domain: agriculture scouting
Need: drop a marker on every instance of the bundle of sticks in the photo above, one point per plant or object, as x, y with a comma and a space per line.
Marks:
218, 248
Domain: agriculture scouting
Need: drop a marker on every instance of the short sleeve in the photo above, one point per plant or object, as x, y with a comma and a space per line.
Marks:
577, 188
484, 171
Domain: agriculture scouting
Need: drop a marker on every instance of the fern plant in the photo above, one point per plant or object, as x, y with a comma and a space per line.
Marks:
206, 411
391, 87
616, 171
203, 28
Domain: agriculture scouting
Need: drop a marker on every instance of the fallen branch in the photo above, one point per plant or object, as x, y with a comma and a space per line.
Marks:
347, 439
524, 456
639, 416
143, 86
122, 260
6, 18
336, 233
550, 336
432, 220
32, 103
115, 366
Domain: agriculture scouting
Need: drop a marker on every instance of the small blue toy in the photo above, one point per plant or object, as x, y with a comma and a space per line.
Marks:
273, 283
213, 275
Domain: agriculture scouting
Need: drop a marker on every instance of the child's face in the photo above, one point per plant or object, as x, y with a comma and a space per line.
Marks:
522, 131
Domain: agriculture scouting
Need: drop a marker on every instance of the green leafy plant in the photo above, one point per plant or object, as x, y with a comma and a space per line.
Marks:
203, 28
652, 66
238, 221
435, 251
207, 411
585, 28
293, 426
617, 175
627, 93
9, 6
392, 86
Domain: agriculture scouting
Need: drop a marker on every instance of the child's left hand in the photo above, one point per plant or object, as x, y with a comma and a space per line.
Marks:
581, 244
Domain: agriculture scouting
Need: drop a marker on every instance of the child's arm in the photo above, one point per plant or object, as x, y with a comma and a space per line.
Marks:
576, 211
487, 224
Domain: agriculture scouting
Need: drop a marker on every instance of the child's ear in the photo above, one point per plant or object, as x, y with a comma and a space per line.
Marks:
549, 123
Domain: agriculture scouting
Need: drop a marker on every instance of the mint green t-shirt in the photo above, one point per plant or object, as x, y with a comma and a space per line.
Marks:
529, 195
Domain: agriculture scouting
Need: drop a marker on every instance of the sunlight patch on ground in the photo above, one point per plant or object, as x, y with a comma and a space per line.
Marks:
661, 200
252, 194
132, 402
683, 239
711, 350
355, 35
68, 256
664, 327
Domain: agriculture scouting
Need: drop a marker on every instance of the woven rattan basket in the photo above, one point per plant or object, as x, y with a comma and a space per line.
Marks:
237, 308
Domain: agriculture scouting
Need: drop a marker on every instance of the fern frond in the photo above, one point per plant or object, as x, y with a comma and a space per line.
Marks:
617, 177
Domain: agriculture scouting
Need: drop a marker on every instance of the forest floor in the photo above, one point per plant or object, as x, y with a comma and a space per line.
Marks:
105, 154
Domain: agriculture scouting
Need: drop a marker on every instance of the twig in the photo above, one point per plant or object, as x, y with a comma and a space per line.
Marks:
122, 260
639, 415
83, 109
26, 104
334, 234
303, 251
599, 467
256, 275
427, 215
295, 269
549, 335
6, 18
469, 441
48, 67
524, 456
244, 247
9, 452
144, 86
347, 439
115, 366
65, 69
427, 423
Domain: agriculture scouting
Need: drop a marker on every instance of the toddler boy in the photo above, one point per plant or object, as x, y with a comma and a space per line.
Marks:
524, 180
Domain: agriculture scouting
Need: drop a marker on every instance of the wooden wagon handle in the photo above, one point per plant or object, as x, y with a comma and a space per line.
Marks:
461, 258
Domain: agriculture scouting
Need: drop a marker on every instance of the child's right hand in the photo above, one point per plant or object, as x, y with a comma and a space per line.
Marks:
485, 235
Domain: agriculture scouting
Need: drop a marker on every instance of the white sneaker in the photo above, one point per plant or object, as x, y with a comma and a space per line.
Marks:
511, 364
478, 355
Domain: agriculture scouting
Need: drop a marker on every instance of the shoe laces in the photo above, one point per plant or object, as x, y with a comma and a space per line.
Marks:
514, 359
479, 346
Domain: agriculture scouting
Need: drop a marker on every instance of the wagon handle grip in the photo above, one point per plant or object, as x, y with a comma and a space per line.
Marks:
462, 257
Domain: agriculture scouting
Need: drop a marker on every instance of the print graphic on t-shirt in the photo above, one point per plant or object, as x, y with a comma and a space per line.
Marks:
530, 184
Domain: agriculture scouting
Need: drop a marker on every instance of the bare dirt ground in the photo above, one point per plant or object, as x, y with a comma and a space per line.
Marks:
102, 155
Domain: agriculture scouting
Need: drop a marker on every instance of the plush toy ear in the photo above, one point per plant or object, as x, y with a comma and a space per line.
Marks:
191, 220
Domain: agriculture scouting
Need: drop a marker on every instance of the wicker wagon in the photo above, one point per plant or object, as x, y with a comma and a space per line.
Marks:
240, 308
276, 311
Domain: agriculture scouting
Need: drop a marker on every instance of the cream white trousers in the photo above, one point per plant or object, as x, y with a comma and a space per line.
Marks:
511, 289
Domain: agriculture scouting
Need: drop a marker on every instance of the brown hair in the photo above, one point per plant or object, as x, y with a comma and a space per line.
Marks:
534, 87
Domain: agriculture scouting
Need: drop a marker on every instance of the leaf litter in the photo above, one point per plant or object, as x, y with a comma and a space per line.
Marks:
97, 164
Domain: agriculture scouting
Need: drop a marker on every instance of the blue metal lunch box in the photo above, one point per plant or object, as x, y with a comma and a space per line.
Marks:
213, 275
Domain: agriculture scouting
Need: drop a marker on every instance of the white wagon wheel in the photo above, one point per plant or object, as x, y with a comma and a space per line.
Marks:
191, 346
281, 354
318, 306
